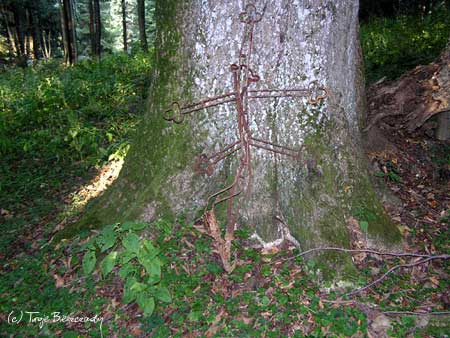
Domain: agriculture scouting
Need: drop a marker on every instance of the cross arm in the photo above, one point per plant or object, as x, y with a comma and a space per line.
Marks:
176, 112
314, 93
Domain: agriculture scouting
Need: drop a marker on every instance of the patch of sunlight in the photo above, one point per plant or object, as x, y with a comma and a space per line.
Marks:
106, 176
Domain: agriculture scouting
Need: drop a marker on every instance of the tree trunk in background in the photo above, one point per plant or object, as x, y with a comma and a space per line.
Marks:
68, 30
92, 28
19, 30
46, 44
98, 29
124, 25
65, 33
309, 198
36, 33
32, 33
9, 34
141, 22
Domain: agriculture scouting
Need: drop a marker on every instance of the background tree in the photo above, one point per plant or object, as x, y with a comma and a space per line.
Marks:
68, 31
124, 25
98, 28
141, 23
310, 197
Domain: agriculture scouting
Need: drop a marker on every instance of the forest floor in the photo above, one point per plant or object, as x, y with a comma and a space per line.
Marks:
271, 293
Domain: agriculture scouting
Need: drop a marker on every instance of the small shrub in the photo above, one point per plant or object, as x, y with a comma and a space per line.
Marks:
138, 260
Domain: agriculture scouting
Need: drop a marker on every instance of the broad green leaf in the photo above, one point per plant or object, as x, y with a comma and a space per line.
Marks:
152, 266
162, 293
195, 316
126, 256
364, 226
151, 250
133, 226
128, 294
146, 303
131, 242
90, 245
89, 260
107, 238
108, 263
127, 270
138, 287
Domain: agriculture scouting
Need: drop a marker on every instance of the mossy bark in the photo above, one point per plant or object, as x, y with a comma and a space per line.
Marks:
295, 43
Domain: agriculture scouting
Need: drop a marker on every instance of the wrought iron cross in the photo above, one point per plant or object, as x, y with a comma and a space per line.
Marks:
243, 77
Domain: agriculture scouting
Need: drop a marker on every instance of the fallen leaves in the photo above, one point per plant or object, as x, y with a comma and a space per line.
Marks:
59, 281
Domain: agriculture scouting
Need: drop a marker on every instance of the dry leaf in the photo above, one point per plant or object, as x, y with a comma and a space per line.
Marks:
136, 331
59, 281
215, 325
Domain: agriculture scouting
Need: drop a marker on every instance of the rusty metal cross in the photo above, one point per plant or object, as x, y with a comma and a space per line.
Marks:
243, 77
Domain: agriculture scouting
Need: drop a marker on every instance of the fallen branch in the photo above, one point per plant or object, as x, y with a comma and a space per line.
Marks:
412, 313
396, 267
426, 258
370, 251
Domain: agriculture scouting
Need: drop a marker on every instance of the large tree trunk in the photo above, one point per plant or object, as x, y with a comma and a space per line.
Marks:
307, 193
141, 24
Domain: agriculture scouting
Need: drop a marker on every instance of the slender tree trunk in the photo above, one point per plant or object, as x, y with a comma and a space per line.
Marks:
19, 30
92, 28
98, 28
141, 22
65, 33
9, 35
32, 33
124, 26
36, 33
73, 35
68, 32
294, 162
45, 47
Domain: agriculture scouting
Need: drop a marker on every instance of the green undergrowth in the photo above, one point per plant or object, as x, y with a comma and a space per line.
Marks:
57, 123
271, 295
392, 46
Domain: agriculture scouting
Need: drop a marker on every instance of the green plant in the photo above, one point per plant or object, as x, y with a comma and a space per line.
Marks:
392, 46
391, 175
138, 261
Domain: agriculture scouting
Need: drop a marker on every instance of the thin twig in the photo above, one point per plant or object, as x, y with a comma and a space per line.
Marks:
396, 267
411, 313
370, 251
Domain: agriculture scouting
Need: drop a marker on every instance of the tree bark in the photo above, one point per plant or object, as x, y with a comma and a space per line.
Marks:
124, 26
64, 33
9, 34
19, 30
307, 198
68, 32
92, 27
98, 29
141, 23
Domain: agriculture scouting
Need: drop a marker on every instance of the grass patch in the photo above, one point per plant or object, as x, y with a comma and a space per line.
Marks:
57, 123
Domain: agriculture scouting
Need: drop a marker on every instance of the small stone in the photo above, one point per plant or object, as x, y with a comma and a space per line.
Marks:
380, 325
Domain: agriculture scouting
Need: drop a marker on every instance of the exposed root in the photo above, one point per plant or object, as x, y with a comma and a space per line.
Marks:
222, 245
